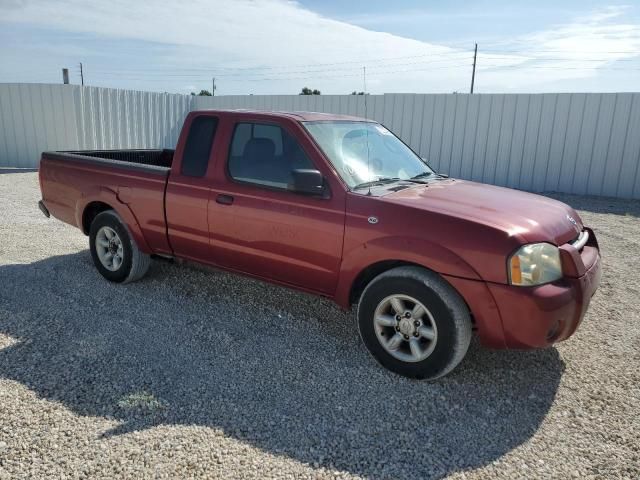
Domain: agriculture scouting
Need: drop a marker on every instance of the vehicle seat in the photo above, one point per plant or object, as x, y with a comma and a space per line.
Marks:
259, 151
257, 157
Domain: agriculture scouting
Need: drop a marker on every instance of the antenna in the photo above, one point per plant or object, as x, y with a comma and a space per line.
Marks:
366, 126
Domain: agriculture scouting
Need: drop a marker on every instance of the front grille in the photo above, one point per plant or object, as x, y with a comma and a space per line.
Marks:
581, 241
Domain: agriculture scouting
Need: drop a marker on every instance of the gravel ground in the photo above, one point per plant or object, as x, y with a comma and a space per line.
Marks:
196, 373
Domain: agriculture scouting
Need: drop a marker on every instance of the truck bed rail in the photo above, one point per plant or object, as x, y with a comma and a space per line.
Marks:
153, 161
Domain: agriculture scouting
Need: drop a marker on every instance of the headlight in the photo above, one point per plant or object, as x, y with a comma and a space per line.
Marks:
535, 264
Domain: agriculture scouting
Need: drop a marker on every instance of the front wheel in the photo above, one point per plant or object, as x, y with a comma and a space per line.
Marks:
414, 323
114, 251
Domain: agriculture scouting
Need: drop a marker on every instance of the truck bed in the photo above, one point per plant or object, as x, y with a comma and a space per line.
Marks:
133, 182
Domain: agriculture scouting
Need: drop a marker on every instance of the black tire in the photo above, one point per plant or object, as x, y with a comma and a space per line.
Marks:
448, 310
134, 263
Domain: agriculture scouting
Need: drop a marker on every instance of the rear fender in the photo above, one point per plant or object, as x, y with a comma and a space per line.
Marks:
111, 198
404, 249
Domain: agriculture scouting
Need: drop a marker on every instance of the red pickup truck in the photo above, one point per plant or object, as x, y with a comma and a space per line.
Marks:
340, 207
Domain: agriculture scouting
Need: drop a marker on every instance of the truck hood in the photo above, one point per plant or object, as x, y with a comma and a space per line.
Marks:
529, 217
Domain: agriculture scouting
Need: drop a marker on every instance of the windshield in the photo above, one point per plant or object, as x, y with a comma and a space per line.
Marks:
364, 152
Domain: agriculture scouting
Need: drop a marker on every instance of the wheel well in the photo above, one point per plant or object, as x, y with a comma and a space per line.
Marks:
91, 211
372, 271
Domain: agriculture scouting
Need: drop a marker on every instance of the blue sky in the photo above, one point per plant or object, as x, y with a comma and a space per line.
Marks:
278, 46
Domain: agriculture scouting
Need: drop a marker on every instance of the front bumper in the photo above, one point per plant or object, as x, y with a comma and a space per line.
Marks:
508, 316
534, 317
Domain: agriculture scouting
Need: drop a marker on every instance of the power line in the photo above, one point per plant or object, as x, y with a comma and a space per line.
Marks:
286, 70
448, 67
459, 55
261, 79
519, 46
358, 63
381, 66
622, 52
259, 73
120, 72
389, 70
386, 71
567, 59
377, 69
542, 67
339, 75
385, 66
282, 75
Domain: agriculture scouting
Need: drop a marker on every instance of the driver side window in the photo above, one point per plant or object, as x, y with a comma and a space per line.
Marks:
265, 154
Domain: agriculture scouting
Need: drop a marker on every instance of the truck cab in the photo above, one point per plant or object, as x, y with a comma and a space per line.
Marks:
234, 199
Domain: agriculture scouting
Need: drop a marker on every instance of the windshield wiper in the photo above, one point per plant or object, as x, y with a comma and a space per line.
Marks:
378, 181
430, 175
422, 175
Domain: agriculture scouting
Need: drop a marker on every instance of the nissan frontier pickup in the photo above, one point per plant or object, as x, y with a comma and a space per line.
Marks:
339, 207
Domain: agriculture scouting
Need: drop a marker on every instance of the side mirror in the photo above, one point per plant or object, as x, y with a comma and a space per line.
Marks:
307, 181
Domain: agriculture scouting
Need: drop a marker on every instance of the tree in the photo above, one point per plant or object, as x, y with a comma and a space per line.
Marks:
358, 93
203, 93
308, 91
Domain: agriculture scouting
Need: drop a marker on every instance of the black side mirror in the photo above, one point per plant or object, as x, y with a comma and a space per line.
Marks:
307, 181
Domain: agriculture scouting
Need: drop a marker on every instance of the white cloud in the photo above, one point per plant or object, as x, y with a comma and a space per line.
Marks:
281, 39
272, 31
581, 49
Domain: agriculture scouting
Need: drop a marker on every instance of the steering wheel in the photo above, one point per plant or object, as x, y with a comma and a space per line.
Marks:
375, 165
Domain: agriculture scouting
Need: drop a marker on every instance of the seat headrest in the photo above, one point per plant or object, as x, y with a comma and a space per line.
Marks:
262, 148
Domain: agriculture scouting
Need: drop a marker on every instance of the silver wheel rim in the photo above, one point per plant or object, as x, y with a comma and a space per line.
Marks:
109, 248
405, 328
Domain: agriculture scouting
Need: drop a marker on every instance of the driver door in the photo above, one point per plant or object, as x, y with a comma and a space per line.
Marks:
257, 226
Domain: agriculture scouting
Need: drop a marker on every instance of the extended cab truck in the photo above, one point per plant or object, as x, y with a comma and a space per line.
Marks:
340, 207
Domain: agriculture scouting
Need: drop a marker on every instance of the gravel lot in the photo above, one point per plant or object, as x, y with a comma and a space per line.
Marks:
197, 373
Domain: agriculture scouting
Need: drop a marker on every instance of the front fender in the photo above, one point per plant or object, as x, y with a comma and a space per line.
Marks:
110, 197
406, 249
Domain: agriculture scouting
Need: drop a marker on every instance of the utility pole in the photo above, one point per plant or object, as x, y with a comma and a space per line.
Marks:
213, 87
82, 76
65, 76
473, 74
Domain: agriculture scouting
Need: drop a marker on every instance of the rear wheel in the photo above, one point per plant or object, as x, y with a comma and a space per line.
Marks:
414, 323
114, 252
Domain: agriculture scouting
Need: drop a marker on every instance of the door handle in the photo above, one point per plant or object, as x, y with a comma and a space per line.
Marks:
224, 199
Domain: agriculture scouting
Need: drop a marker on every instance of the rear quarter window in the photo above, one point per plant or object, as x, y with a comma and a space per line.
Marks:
197, 149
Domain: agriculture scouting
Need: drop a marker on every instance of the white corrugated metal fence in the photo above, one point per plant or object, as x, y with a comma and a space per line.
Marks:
35, 118
584, 143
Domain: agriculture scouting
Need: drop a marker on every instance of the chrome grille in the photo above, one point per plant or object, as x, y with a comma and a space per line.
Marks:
581, 241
